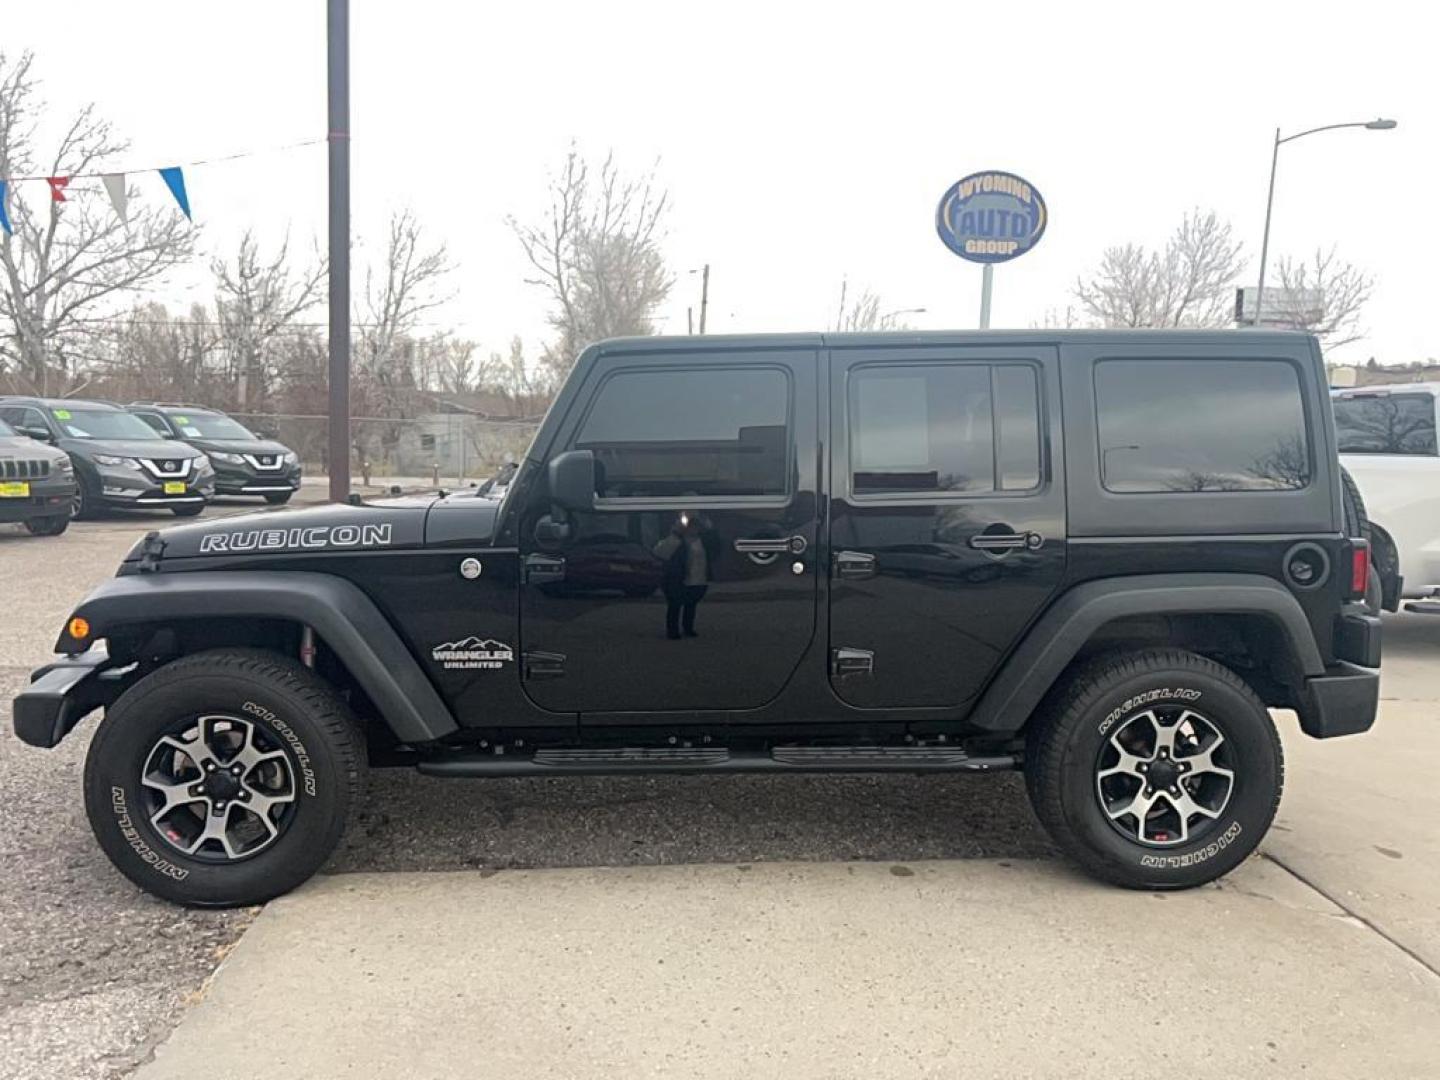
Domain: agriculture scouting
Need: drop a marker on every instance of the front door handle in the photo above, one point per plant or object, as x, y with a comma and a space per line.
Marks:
1012, 541
854, 564
766, 545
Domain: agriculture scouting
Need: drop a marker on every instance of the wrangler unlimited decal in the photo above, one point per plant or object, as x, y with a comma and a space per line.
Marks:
309, 538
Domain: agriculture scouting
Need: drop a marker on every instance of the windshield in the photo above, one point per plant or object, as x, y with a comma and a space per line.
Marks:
6, 430
198, 425
83, 423
1386, 424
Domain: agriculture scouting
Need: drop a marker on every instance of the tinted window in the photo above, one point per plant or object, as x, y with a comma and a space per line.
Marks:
1200, 425
966, 428
90, 423
155, 422
690, 431
207, 425
1385, 424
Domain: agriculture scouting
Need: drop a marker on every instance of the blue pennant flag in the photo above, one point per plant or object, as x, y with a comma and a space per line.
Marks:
4, 217
175, 181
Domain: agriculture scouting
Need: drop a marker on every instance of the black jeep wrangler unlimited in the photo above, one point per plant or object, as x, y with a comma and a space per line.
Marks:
1097, 557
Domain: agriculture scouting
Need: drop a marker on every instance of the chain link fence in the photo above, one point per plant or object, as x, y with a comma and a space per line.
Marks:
441, 448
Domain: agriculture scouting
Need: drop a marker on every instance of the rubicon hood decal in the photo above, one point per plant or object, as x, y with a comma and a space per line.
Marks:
296, 538
378, 526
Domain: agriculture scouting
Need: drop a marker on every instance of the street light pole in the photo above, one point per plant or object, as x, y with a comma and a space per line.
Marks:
338, 101
1377, 124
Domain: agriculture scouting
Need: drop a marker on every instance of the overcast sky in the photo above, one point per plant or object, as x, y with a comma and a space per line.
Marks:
800, 143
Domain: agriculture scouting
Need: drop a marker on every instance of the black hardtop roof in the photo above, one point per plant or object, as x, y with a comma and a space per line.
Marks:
891, 338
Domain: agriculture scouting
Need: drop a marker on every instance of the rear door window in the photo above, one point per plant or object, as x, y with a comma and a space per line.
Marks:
1201, 426
1385, 424
964, 429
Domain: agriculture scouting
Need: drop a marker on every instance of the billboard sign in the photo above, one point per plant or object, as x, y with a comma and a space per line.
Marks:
991, 217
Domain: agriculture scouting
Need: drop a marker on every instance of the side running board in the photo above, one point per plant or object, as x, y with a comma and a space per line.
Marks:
615, 760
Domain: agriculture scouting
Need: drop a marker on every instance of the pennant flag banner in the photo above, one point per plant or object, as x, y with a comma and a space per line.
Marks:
115, 188
115, 184
175, 181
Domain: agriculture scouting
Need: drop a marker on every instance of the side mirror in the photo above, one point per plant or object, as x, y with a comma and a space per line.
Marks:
168, 435
572, 480
40, 433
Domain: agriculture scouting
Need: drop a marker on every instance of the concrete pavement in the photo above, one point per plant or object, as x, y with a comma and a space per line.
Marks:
974, 969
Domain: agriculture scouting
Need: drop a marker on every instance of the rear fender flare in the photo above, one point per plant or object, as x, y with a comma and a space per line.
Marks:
342, 615
1059, 635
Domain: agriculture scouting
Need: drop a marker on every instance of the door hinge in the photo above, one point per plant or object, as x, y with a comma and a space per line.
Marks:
845, 662
543, 665
853, 565
540, 569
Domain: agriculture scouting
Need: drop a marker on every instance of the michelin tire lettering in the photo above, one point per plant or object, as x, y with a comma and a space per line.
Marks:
1209, 851
303, 538
286, 732
1133, 703
137, 843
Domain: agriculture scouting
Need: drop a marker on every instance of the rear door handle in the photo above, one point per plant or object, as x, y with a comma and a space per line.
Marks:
1030, 541
854, 564
766, 545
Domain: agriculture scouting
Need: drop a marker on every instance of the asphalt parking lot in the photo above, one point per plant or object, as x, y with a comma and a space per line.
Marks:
94, 974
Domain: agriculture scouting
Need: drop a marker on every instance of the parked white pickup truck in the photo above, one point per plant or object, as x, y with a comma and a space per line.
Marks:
1386, 437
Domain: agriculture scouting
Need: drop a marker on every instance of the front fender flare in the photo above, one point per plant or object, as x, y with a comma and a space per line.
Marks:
1059, 635
339, 612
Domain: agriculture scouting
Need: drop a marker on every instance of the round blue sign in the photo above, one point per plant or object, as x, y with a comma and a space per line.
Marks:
991, 217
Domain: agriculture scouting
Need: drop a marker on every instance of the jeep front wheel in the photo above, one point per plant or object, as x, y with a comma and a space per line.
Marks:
1156, 770
224, 778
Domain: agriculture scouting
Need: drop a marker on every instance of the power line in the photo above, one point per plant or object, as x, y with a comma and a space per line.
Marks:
177, 164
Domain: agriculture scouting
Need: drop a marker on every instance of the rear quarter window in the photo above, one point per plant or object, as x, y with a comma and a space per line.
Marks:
1385, 424
1199, 425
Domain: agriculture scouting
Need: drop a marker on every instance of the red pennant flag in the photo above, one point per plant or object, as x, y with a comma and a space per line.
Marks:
57, 187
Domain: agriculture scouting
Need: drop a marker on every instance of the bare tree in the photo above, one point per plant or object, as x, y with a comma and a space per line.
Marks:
1187, 283
397, 293
597, 255
864, 311
1342, 292
256, 300
68, 263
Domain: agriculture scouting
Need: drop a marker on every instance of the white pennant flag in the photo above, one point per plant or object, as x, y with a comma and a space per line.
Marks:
115, 188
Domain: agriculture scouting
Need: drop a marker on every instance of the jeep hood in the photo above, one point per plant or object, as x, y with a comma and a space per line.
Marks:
385, 524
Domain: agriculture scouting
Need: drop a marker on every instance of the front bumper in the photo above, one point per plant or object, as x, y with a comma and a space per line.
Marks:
47, 498
232, 481
61, 694
121, 487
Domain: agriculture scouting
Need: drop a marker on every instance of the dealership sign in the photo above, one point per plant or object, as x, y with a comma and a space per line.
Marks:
991, 217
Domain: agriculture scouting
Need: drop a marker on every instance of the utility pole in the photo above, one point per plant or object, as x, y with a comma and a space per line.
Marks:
338, 70
704, 295
689, 320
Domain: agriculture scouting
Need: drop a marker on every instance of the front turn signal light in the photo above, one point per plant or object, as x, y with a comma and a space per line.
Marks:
78, 628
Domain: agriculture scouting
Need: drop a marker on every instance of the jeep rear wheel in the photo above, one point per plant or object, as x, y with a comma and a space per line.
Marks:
224, 778
1157, 769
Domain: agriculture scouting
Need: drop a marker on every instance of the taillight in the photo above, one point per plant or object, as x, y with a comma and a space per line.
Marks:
1359, 568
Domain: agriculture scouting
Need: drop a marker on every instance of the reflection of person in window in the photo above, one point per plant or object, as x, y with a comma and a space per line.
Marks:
689, 554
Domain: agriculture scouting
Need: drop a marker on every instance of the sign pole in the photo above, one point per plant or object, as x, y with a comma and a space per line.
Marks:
338, 99
987, 286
